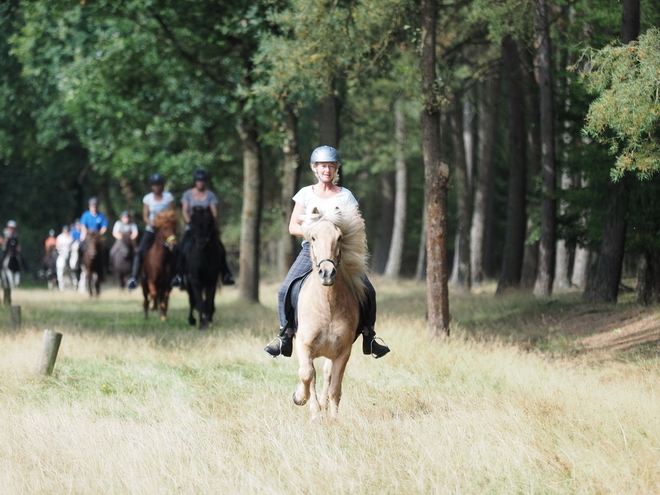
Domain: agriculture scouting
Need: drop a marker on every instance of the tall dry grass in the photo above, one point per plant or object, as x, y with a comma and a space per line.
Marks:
146, 407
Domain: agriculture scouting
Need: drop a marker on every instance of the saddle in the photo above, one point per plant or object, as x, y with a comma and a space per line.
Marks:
291, 305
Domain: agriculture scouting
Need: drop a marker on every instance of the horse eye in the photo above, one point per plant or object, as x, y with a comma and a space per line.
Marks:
313, 239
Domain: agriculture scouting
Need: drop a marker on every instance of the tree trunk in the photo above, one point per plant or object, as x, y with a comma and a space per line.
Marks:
580, 267
420, 268
515, 217
487, 104
563, 255
291, 177
393, 267
533, 107
605, 284
436, 179
546, 268
248, 285
461, 279
329, 121
386, 215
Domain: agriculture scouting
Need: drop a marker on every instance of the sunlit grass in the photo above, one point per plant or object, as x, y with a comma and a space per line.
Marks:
144, 406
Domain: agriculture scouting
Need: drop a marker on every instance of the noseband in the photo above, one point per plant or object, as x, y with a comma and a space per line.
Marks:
336, 265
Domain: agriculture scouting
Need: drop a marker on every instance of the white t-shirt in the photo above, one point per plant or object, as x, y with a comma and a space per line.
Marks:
155, 206
64, 242
306, 196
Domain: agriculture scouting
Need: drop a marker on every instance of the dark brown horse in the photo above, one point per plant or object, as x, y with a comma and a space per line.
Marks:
93, 255
159, 264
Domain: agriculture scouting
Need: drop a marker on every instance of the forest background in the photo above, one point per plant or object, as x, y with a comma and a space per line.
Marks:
539, 105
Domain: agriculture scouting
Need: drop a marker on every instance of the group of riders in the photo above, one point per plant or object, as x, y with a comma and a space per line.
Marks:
324, 163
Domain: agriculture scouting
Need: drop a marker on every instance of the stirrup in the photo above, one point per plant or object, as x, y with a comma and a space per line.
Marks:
274, 346
378, 349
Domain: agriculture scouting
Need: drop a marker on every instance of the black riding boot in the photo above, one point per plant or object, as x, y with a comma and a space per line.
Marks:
132, 283
282, 345
370, 344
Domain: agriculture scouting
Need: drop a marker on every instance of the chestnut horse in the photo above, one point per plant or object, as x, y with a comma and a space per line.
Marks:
329, 303
159, 264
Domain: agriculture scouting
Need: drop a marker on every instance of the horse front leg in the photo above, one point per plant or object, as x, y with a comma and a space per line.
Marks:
337, 368
306, 390
191, 303
164, 299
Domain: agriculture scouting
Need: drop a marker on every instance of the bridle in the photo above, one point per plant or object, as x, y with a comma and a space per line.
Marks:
169, 242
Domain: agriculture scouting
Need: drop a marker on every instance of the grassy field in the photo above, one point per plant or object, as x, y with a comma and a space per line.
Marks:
518, 400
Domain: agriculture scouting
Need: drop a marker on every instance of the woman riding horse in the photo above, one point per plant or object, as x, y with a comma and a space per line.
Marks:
198, 196
152, 204
325, 164
159, 263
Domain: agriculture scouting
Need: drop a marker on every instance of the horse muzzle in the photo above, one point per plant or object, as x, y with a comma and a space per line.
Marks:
327, 273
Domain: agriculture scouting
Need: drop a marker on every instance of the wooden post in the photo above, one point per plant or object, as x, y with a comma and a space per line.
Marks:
16, 317
49, 353
7, 297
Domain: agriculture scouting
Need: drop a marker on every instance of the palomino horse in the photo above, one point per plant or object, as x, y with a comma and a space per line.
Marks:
203, 265
93, 262
159, 264
329, 303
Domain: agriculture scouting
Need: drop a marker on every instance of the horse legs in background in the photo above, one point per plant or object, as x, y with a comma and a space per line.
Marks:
202, 299
93, 284
82, 280
60, 267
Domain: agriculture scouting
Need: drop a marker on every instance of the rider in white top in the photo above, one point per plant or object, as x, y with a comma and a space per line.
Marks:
325, 164
63, 244
153, 203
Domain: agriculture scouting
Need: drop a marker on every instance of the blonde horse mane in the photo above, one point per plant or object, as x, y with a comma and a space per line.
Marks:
354, 254
165, 217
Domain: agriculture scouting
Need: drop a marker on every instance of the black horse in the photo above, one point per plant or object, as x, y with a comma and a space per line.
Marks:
203, 263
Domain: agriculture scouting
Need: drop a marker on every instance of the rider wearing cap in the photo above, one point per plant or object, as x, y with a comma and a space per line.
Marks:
93, 220
198, 196
152, 204
325, 164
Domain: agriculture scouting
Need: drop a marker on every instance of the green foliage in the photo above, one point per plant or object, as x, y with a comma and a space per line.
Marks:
626, 114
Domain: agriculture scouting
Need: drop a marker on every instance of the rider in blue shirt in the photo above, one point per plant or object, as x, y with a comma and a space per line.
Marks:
93, 219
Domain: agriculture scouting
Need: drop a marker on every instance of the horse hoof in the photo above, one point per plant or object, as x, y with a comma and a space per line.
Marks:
296, 402
192, 321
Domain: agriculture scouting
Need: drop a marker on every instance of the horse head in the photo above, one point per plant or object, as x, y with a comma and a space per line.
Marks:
165, 224
202, 225
325, 239
338, 242
92, 240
